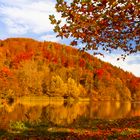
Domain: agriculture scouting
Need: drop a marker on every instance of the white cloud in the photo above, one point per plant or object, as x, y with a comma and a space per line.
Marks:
19, 28
49, 37
127, 65
22, 16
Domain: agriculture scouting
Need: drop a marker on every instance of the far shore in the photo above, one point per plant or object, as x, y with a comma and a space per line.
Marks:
43, 100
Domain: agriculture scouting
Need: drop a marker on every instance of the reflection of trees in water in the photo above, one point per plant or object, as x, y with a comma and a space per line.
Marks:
109, 110
135, 109
33, 113
63, 114
57, 114
15, 114
18, 113
67, 113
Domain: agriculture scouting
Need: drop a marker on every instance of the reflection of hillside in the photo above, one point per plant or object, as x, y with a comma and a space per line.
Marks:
109, 110
55, 112
135, 111
59, 113
113, 110
19, 113
63, 115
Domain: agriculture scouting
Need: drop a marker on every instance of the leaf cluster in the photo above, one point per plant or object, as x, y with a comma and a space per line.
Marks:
104, 24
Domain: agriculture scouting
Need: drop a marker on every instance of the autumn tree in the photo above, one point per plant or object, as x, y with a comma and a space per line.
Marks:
104, 24
57, 86
73, 88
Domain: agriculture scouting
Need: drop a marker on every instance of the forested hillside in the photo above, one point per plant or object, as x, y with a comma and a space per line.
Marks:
29, 67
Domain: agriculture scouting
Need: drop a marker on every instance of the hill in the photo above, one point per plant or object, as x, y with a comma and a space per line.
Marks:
29, 67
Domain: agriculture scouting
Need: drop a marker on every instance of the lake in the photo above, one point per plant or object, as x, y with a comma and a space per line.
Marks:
60, 113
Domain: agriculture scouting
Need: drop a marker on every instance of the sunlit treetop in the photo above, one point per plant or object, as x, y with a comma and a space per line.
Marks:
104, 24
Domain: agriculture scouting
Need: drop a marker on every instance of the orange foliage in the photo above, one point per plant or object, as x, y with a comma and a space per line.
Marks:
37, 59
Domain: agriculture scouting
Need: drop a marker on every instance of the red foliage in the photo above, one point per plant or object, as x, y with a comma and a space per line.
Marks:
67, 61
47, 55
63, 60
57, 46
55, 60
134, 84
82, 63
5, 72
70, 62
100, 72
21, 57
68, 50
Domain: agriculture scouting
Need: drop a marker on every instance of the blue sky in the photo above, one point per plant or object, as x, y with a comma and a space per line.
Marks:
30, 18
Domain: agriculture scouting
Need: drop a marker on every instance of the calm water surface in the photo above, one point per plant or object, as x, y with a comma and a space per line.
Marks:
62, 113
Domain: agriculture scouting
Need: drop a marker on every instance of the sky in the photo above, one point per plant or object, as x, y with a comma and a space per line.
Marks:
30, 18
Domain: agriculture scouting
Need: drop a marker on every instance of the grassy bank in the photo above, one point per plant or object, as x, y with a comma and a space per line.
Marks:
128, 128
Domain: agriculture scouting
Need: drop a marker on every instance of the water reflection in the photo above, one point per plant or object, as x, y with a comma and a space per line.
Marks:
109, 110
62, 113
